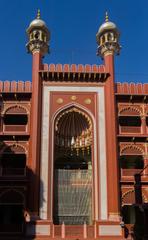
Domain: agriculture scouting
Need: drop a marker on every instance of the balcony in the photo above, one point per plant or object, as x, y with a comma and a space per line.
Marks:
15, 124
15, 128
13, 164
130, 125
130, 130
130, 165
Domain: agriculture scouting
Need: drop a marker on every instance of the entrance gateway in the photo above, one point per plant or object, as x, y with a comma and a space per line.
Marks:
74, 108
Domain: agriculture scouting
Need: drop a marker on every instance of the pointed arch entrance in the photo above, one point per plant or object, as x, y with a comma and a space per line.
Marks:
73, 134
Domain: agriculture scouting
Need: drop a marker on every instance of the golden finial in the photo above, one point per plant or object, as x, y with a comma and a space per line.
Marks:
38, 14
106, 17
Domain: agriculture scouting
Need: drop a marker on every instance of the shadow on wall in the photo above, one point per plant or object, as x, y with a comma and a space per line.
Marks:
135, 215
15, 199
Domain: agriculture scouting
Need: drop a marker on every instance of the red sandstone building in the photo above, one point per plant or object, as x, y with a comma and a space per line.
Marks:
71, 143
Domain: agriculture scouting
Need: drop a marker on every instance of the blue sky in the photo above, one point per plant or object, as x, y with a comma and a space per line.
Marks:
73, 25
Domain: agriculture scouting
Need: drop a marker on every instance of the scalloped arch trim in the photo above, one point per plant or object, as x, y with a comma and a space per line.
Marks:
15, 109
132, 149
14, 148
130, 110
129, 198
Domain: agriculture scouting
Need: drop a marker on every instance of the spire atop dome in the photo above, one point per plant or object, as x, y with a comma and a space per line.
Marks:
38, 14
106, 17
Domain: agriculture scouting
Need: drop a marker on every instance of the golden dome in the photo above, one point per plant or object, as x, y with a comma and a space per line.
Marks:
107, 26
37, 23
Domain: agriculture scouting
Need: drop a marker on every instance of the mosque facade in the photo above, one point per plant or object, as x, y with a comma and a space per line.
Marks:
74, 151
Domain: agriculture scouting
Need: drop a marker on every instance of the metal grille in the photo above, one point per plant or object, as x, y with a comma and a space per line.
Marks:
73, 196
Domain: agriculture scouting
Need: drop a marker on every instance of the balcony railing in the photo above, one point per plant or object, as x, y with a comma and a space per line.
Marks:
129, 130
129, 172
15, 128
13, 172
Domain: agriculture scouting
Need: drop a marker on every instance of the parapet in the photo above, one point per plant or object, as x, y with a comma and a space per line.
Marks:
15, 87
131, 88
73, 72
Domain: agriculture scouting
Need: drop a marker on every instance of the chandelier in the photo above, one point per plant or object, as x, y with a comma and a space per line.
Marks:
73, 131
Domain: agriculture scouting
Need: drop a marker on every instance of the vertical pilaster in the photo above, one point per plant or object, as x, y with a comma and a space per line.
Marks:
108, 46
38, 46
111, 134
35, 124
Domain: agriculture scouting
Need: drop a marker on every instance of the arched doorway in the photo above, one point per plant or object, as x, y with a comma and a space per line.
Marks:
11, 212
72, 167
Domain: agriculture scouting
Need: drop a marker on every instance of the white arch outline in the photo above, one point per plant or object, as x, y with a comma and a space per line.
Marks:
102, 158
95, 183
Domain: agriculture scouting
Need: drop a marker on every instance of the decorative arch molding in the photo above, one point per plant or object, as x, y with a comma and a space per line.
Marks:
12, 196
100, 161
73, 109
14, 148
128, 198
130, 111
80, 107
86, 112
16, 109
131, 150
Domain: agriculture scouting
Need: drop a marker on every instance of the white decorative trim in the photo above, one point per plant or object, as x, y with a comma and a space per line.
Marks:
38, 230
100, 149
110, 230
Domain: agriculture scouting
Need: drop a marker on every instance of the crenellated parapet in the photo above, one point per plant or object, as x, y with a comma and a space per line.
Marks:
74, 72
74, 68
15, 87
93, 70
131, 88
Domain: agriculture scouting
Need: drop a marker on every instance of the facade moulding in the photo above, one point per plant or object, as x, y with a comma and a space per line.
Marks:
132, 148
131, 88
130, 109
78, 73
95, 71
15, 87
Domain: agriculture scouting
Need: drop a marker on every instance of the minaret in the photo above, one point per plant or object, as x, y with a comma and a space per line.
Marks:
38, 38
108, 41
38, 35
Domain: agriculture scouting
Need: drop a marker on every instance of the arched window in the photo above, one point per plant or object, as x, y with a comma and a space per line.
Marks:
132, 213
13, 161
129, 120
72, 168
131, 160
132, 121
15, 119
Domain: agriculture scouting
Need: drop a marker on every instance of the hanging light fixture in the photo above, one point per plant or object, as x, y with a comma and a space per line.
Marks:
73, 130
